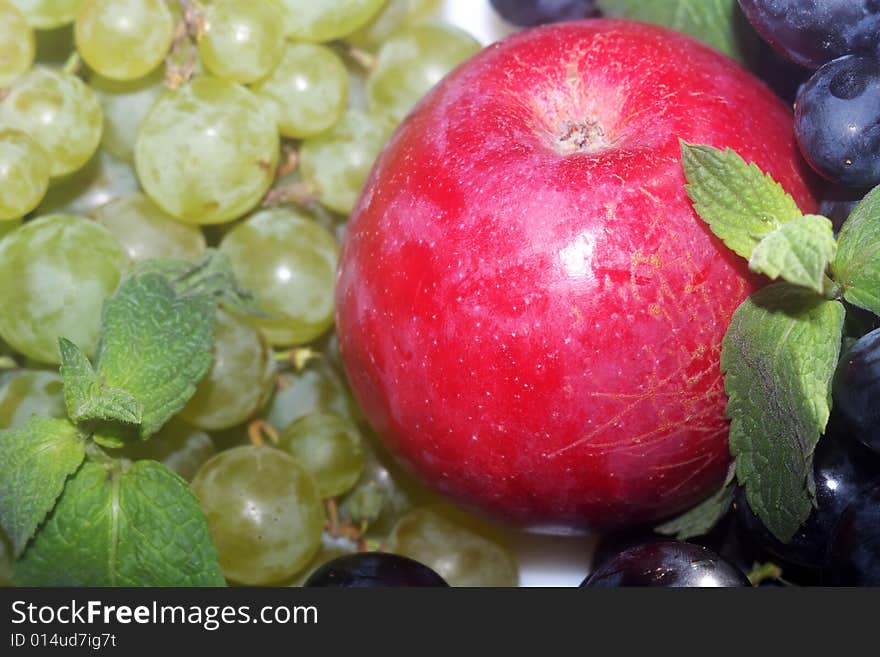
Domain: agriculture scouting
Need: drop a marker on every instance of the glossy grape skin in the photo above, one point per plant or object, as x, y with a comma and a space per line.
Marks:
373, 570
263, 511
125, 103
59, 112
308, 90
31, 392
325, 20
55, 273
329, 448
411, 62
838, 202
243, 40
666, 564
837, 121
102, 179
124, 39
440, 538
317, 388
340, 159
48, 14
206, 152
180, 447
857, 390
240, 380
394, 15
841, 467
144, 231
17, 44
24, 174
528, 13
813, 32
290, 263
854, 553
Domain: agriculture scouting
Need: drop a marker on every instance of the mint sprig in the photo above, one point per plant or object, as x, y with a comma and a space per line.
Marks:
783, 344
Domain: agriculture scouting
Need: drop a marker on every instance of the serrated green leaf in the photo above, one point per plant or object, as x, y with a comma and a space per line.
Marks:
778, 356
702, 518
799, 252
714, 22
741, 204
36, 460
857, 266
140, 527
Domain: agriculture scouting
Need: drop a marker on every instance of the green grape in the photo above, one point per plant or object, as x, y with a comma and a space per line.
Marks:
31, 392
329, 448
325, 20
263, 511
145, 232
394, 15
24, 174
7, 227
243, 40
316, 388
124, 39
100, 180
290, 263
413, 61
462, 549
240, 380
55, 273
308, 90
125, 104
17, 44
340, 160
59, 112
182, 448
47, 14
206, 152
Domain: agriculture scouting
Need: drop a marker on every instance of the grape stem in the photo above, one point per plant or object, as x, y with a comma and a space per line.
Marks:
73, 63
300, 192
259, 431
366, 60
764, 571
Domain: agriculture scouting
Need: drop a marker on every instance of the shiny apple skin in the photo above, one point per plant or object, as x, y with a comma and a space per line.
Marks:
534, 327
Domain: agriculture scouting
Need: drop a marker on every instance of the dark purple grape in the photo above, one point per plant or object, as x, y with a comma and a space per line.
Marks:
528, 13
813, 32
841, 467
857, 390
373, 570
838, 202
666, 564
837, 121
784, 77
854, 555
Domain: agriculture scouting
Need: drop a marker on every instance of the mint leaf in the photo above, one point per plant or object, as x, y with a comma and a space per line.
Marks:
778, 356
714, 22
140, 527
798, 251
741, 204
37, 459
703, 517
857, 267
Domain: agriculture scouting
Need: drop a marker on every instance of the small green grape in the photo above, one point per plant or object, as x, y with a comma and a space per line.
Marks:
394, 15
325, 20
206, 152
145, 232
125, 104
182, 448
48, 14
31, 392
340, 160
413, 61
17, 44
462, 549
290, 263
123, 39
24, 174
55, 273
316, 388
308, 90
264, 513
7, 227
59, 112
240, 380
243, 40
329, 448
100, 180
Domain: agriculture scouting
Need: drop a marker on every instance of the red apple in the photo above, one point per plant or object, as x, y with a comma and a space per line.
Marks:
529, 309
